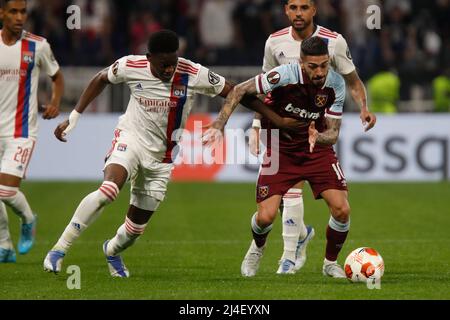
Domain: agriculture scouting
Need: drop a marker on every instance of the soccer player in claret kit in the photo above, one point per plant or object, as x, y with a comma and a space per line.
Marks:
283, 47
22, 56
162, 87
310, 91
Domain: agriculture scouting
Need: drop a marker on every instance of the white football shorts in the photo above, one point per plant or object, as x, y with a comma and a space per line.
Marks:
15, 155
148, 177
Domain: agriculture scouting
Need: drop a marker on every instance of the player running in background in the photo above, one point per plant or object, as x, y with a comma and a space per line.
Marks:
314, 93
162, 87
22, 56
283, 47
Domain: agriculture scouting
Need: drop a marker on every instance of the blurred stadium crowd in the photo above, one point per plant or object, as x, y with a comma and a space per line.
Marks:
413, 45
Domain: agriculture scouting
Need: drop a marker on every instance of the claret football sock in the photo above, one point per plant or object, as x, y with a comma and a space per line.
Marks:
260, 234
336, 235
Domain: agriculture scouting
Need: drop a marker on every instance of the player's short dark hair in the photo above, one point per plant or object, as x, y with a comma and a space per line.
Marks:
4, 2
164, 41
314, 46
311, 1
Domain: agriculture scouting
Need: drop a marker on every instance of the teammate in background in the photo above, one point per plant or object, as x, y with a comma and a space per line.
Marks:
283, 47
23, 56
162, 87
314, 93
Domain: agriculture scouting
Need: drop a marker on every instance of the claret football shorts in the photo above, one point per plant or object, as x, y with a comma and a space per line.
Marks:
320, 168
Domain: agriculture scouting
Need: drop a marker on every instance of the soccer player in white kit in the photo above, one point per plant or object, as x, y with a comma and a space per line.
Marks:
22, 56
283, 47
162, 90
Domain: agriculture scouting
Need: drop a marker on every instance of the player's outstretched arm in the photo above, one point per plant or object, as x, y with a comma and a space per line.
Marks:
92, 91
359, 94
52, 109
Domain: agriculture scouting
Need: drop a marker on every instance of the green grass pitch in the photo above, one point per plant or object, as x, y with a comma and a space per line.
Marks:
194, 245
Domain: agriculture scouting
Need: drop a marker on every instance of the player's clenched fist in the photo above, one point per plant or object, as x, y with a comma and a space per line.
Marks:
65, 127
59, 131
50, 112
313, 134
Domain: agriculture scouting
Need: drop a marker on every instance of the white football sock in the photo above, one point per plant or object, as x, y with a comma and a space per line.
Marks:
125, 237
293, 226
5, 238
14, 198
88, 210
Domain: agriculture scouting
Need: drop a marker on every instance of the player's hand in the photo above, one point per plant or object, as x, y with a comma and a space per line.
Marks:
50, 112
59, 131
253, 141
368, 120
214, 133
313, 135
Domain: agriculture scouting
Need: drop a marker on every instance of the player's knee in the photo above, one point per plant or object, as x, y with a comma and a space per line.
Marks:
108, 192
8, 193
341, 212
265, 217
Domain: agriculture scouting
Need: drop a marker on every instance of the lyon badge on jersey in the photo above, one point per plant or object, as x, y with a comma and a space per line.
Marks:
179, 90
321, 100
28, 57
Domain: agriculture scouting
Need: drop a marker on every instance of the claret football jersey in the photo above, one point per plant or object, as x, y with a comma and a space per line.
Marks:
290, 93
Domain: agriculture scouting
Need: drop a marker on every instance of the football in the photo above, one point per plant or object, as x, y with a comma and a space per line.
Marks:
363, 264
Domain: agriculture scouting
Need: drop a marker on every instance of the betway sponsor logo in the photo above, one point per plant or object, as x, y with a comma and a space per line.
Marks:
155, 105
302, 112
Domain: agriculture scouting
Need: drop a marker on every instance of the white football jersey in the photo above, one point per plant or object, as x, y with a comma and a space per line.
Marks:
20, 65
157, 109
282, 48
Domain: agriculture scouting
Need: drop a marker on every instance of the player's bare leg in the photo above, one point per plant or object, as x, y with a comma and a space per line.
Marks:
14, 198
88, 210
296, 235
337, 230
135, 223
261, 226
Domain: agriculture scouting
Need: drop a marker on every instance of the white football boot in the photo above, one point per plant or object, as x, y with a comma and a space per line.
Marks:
301, 249
53, 261
332, 269
250, 264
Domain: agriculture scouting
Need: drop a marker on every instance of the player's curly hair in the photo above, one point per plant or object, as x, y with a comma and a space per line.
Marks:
314, 46
163, 41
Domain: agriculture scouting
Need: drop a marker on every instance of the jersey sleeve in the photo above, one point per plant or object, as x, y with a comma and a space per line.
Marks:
208, 83
48, 61
278, 77
117, 71
337, 108
269, 61
343, 62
